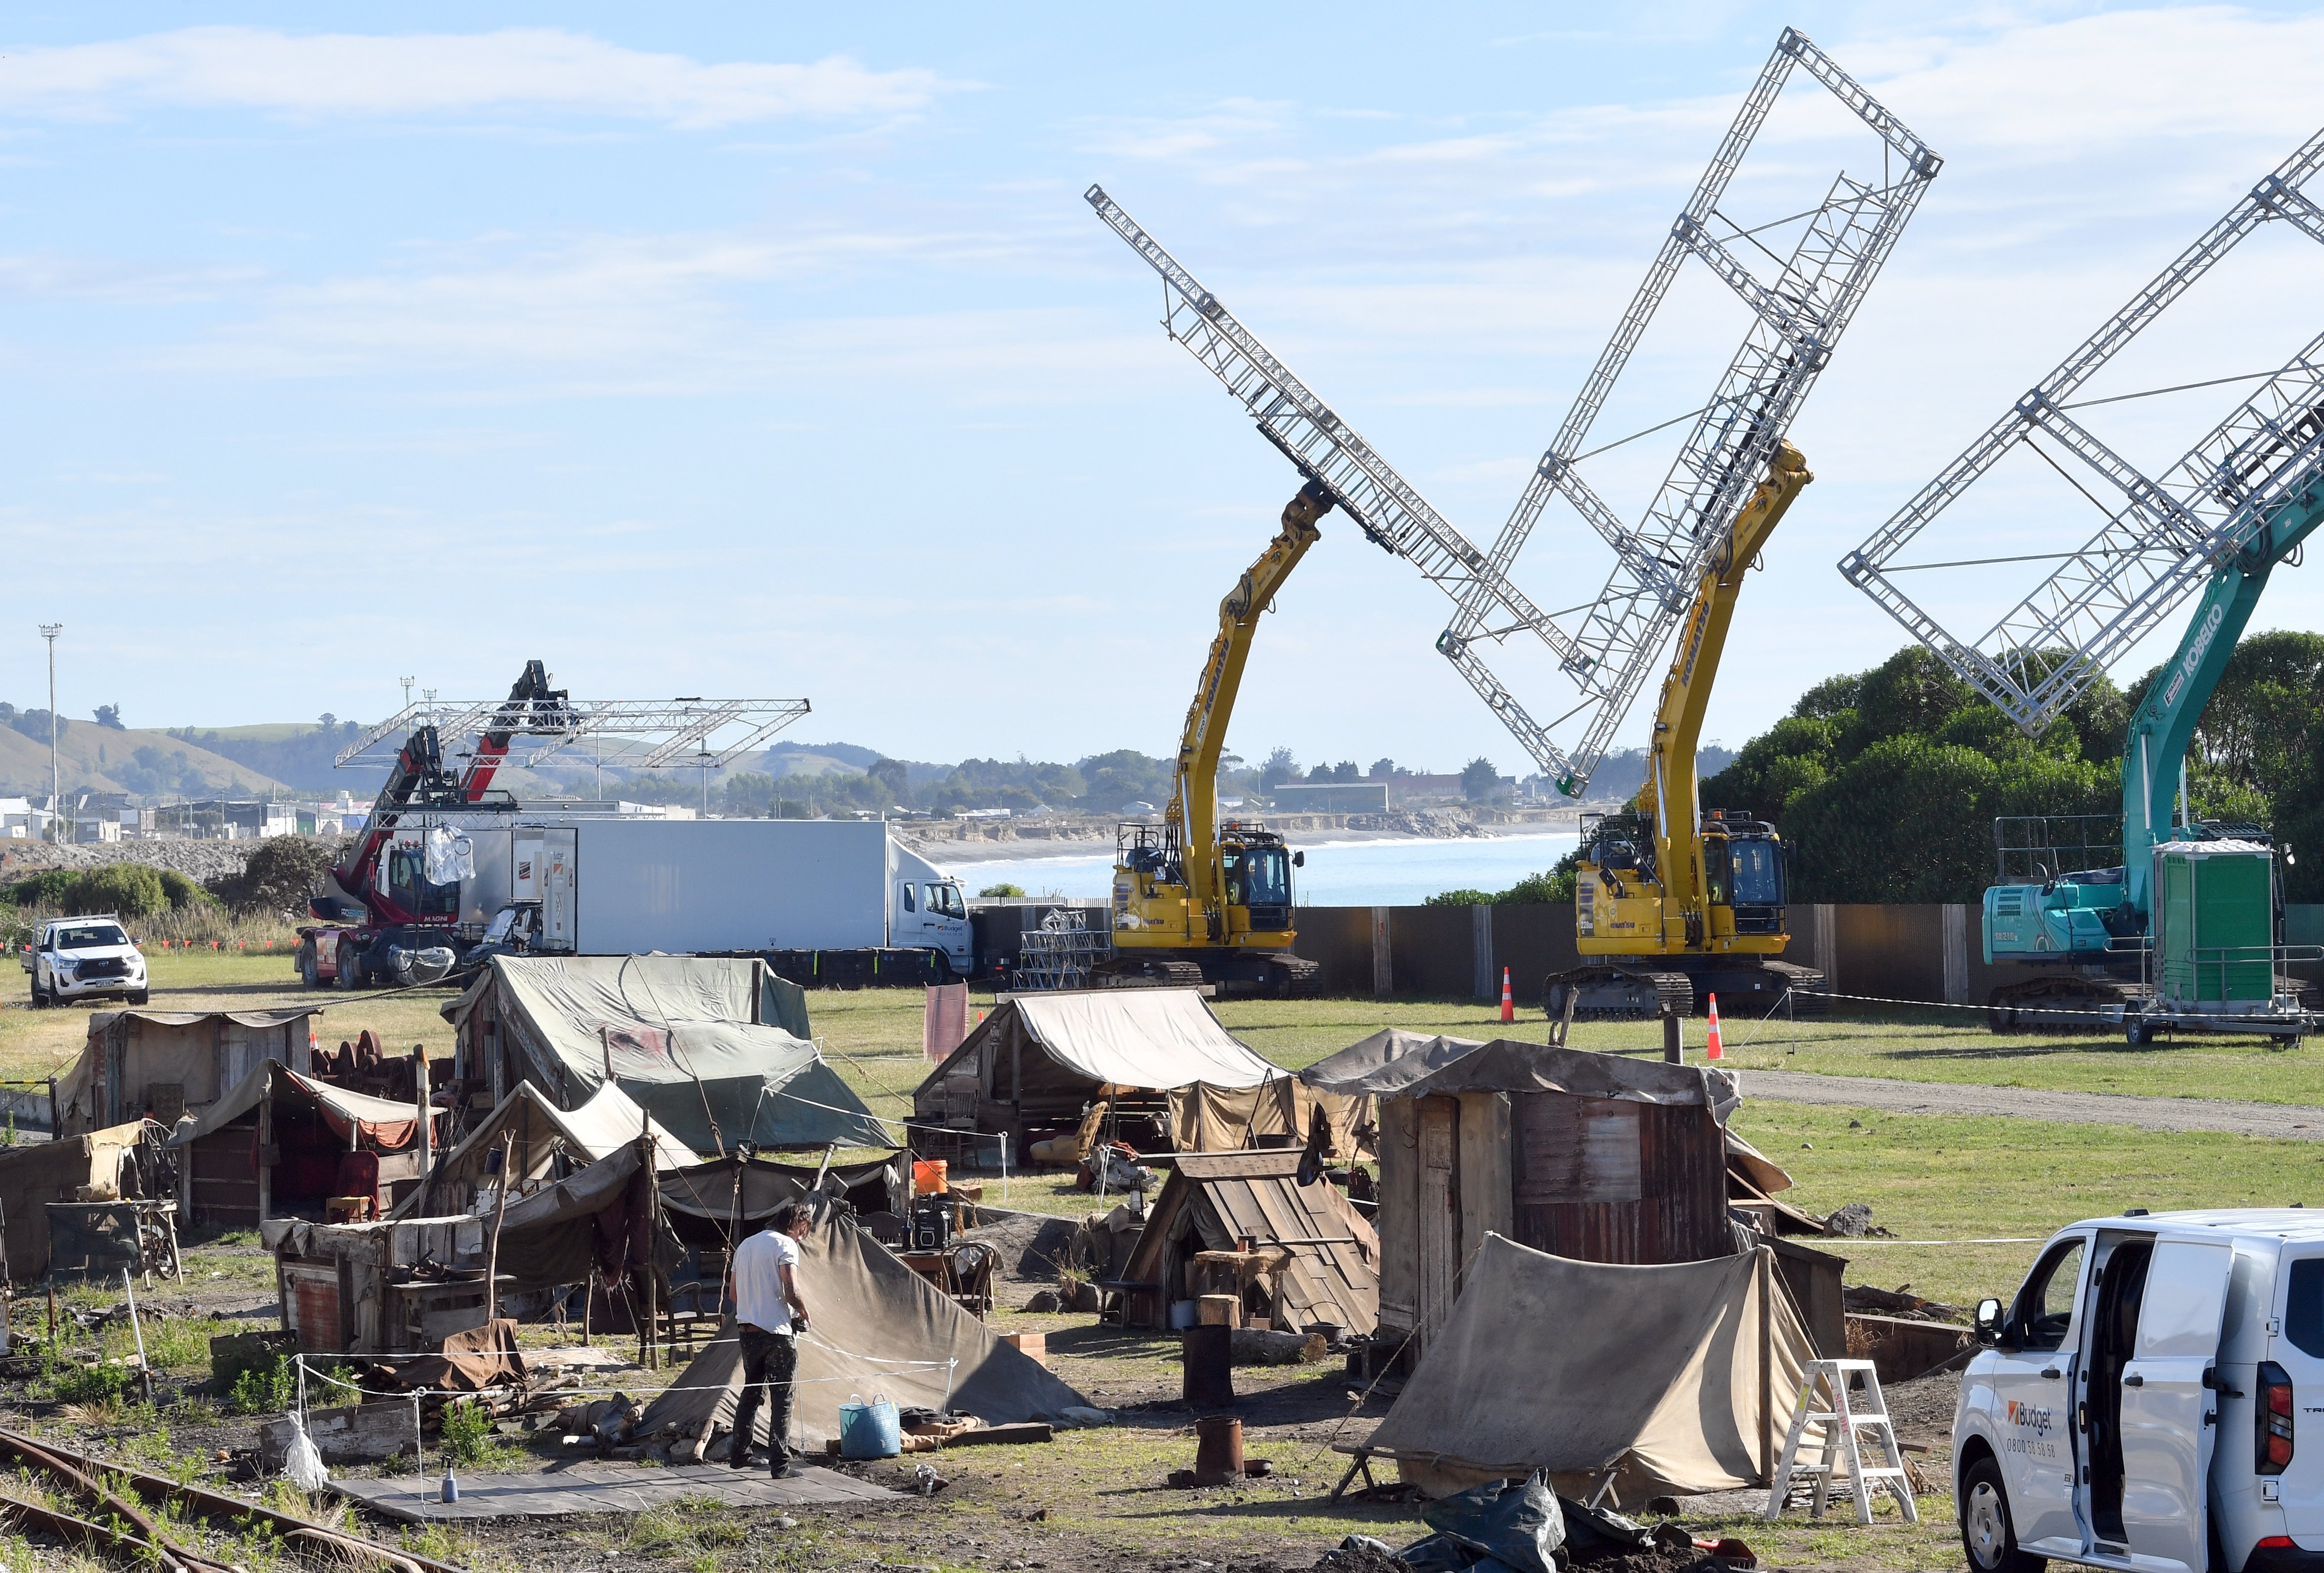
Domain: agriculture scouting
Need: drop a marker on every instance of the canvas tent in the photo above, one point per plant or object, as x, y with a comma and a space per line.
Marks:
545, 1144
700, 1205
167, 1062
36, 1174
1680, 1378
1039, 1059
878, 1327
1213, 1200
692, 1040
1596, 1157
279, 1142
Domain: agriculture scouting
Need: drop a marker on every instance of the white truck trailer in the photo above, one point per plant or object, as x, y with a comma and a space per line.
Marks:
573, 882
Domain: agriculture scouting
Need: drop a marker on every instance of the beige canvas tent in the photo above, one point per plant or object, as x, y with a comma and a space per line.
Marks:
545, 1144
280, 1143
1172, 1076
1679, 1378
1595, 1157
168, 1063
878, 1328
34, 1175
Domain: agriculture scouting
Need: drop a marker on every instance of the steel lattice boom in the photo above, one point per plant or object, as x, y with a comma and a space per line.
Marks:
1326, 449
1797, 321
667, 733
2169, 533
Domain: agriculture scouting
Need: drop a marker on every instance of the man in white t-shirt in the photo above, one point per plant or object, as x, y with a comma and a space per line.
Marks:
768, 1314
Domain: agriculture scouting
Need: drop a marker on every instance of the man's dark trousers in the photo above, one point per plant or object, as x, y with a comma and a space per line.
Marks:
767, 1358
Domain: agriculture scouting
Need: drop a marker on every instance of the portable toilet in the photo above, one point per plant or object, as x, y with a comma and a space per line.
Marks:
2214, 925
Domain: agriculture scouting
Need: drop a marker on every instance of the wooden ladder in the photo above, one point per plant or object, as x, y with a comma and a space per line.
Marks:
1838, 1429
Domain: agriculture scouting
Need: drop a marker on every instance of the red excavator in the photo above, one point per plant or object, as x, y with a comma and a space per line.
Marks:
383, 918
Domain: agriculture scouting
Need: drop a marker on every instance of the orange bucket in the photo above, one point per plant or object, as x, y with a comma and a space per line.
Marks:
928, 1177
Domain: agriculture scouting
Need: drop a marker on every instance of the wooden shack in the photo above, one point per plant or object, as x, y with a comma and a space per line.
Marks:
164, 1064
1321, 1266
1592, 1157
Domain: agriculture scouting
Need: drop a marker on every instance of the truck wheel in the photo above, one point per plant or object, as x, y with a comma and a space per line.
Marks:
350, 970
1987, 1533
309, 972
2136, 1033
40, 1000
140, 996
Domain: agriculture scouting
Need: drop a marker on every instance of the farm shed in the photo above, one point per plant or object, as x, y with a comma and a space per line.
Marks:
1678, 1378
404, 1284
280, 1143
692, 1040
1039, 1059
546, 1145
1214, 1201
95, 1163
1594, 1157
168, 1063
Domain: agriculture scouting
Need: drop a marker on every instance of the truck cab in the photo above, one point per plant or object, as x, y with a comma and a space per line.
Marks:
2142, 1400
928, 911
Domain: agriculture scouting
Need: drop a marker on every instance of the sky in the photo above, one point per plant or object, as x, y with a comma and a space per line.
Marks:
772, 352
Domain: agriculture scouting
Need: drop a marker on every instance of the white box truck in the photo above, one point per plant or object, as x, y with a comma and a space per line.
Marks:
574, 882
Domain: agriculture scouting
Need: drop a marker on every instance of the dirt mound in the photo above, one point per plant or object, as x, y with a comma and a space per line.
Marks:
1030, 1245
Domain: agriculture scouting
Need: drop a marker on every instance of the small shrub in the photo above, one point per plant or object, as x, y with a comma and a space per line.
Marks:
102, 1386
1002, 890
264, 1391
467, 1433
130, 889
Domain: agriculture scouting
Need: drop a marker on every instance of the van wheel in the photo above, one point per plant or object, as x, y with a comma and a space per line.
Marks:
1987, 1534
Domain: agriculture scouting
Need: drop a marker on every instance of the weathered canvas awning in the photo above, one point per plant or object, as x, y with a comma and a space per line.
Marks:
1395, 1063
387, 1127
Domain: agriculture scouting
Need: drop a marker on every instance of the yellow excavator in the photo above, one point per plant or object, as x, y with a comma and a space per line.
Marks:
1194, 900
1671, 904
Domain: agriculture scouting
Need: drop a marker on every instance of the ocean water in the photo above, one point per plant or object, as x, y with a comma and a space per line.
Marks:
1348, 874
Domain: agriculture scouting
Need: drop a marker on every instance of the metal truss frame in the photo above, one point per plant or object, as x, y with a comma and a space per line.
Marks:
1797, 321
674, 732
2169, 535
1387, 508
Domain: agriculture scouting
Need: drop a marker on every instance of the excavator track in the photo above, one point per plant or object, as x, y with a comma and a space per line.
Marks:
1610, 993
2067, 1005
1146, 972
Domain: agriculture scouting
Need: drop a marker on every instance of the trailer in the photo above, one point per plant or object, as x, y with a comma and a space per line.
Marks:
563, 880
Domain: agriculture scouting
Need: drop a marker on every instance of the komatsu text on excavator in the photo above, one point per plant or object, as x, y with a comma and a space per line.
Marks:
1671, 903
1196, 901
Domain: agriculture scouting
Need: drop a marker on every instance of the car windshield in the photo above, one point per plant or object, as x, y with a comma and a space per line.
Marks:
1756, 870
90, 936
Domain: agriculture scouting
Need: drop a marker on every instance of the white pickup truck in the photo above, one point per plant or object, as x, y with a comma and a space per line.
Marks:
2142, 1401
74, 958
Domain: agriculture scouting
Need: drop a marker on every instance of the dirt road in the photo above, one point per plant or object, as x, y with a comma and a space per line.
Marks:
2290, 1122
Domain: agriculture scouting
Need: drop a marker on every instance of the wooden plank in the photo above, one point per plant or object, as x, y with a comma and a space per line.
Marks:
1273, 1163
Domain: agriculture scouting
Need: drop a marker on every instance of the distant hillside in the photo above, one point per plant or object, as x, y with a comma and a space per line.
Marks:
298, 753
149, 765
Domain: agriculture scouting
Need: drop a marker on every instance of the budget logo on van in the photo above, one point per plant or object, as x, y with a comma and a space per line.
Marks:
2027, 1417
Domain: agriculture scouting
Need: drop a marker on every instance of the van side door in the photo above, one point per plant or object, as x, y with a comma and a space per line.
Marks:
2169, 1417
2031, 1389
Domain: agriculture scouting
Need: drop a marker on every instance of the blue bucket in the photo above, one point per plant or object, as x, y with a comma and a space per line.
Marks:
868, 1431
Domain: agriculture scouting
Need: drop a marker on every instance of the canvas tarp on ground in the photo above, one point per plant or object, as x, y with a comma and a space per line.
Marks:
1395, 1063
138, 1058
545, 1142
681, 1035
1683, 1375
40, 1172
876, 1327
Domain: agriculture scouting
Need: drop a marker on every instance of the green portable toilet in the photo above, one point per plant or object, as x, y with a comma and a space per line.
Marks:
2215, 923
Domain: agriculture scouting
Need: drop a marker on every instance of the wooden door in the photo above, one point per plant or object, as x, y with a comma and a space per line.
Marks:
1438, 1224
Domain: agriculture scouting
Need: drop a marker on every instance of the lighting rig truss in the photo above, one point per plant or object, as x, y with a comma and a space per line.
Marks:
2169, 535
1387, 508
686, 733
1797, 321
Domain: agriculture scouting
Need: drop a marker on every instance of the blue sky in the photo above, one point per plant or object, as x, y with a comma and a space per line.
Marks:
771, 351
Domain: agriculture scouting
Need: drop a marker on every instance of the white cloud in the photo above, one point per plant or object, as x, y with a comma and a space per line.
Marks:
323, 75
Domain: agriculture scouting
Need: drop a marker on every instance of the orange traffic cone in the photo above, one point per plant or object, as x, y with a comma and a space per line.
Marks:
1714, 1049
1508, 1004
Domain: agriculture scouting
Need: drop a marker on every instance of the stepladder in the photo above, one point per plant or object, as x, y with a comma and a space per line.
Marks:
1841, 1423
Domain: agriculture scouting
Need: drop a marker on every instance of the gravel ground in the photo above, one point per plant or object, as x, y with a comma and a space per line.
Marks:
2289, 1122
198, 860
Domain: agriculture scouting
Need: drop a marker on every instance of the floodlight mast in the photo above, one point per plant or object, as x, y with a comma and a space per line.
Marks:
2169, 534
1328, 452
1797, 321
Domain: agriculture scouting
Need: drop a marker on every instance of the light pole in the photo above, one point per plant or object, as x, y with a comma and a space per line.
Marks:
49, 631
406, 682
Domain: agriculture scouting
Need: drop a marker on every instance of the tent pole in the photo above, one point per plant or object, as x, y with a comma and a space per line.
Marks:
493, 1255
1766, 1363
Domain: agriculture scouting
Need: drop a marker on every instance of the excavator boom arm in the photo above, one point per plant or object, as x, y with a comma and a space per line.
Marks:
1193, 805
1669, 792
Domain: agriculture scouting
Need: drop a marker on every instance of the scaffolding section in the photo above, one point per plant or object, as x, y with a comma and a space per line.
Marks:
1060, 953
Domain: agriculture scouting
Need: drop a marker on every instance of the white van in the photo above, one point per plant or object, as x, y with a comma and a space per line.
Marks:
85, 957
2142, 1401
